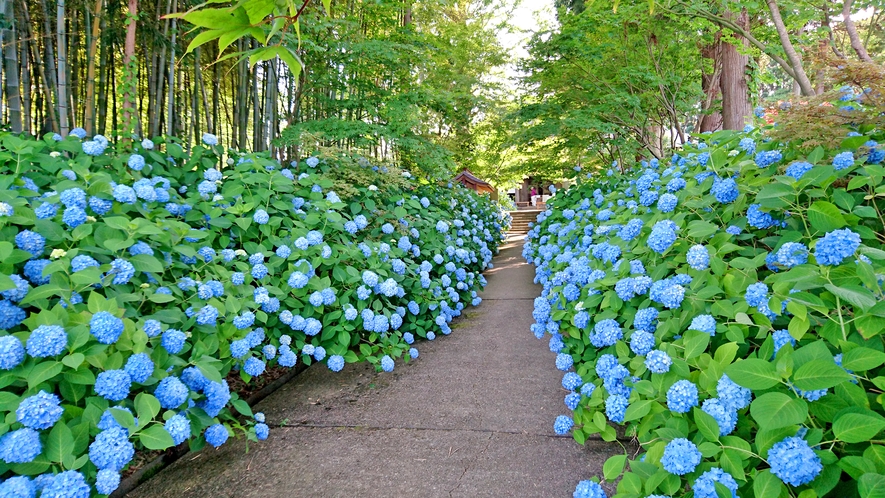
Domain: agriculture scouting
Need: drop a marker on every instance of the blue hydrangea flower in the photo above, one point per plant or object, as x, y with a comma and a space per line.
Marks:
616, 407
74, 216
725, 191
725, 415
12, 352
794, 462
733, 395
704, 323
646, 319
20, 446
207, 315
113, 385
641, 342
843, 160
68, 484
171, 392
564, 362
792, 254
253, 366
698, 257
261, 217
606, 333
216, 435
18, 292
122, 270
46, 211
107, 481
111, 449
758, 218
40, 411
667, 203
31, 242
662, 236
835, 246
46, 341
173, 341
798, 169
756, 294
106, 327
387, 363
766, 158
210, 139
335, 363
658, 361
682, 396
571, 381
563, 424
18, 486
34, 271
681, 457
589, 489
705, 485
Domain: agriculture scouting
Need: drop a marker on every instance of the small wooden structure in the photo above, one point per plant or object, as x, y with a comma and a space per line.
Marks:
467, 179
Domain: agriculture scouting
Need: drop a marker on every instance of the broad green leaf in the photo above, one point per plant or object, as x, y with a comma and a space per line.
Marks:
854, 294
856, 427
871, 486
59, 442
155, 437
825, 216
861, 359
753, 373
819, 374
767, 485
613, 467
776, 410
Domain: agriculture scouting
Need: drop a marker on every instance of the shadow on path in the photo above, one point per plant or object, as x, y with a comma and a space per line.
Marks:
473, 416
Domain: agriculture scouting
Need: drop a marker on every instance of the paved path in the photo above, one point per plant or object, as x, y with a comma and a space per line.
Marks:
473, 416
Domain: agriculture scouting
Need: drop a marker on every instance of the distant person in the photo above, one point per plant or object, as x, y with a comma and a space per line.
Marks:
534, 195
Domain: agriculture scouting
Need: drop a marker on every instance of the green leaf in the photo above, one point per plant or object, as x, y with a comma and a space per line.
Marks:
819, 374
73, 360
43, 372
638, 409
146, 263
825, 216
871, 486
707, 425
613, 467
753, 373
858, 426
59, 442
767, 485
861, 359
147, 407
155, 437
776, 410
775, 195
854, 294
695, 343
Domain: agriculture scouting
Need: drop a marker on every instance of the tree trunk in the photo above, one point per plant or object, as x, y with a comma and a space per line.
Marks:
26, 88
129, 114
89, 116
10, 53
49, 123
170, 104
792, 55
103, 73
733, 80
711, 118
851, 29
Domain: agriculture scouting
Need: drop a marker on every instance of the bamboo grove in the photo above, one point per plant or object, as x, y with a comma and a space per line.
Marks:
398, 80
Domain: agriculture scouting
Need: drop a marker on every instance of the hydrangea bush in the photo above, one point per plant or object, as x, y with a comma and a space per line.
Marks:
726, 307
132, 285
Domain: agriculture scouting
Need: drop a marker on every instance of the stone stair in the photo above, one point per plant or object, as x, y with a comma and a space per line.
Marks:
521, 220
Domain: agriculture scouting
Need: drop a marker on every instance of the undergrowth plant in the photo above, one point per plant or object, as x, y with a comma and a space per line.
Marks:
134, 285
726, 306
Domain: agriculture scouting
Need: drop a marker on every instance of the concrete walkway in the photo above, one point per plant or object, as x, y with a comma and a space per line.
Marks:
473, 416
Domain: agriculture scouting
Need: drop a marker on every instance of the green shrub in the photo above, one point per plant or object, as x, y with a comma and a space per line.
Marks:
144, 280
